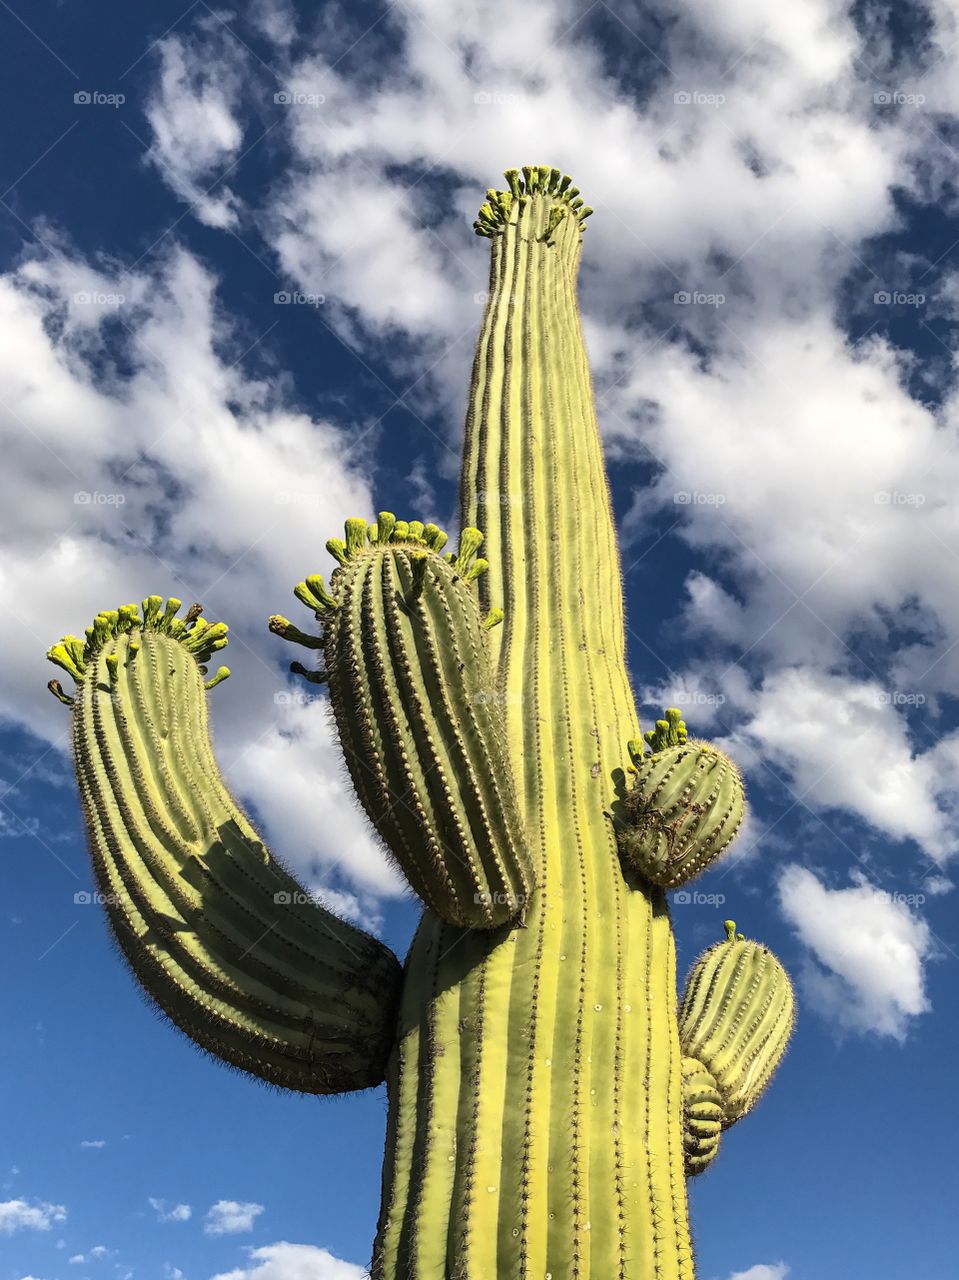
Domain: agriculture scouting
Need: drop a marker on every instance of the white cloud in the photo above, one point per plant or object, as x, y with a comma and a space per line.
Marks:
176, 1213
763, 1271
196, 133
845, 745
96, 1254
283, 1261
254, 486
96, 1144
231, 1217
867, 951
22, 1215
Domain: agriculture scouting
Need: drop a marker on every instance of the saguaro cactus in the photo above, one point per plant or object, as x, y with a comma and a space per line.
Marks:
546, 1100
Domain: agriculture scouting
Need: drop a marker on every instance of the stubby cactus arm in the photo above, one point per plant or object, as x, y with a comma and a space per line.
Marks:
221, 938
406, 653
735, 1021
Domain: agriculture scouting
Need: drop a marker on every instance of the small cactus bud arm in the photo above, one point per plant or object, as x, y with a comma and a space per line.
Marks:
684, 808
422, 727
736, 1018
702, 1117
228, 945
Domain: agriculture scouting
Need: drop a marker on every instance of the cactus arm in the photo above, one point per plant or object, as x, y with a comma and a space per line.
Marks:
221, 938
406, 655
736, 1019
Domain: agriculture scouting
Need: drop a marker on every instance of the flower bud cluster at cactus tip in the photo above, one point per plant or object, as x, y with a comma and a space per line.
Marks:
685, 807
199, 637
502, 207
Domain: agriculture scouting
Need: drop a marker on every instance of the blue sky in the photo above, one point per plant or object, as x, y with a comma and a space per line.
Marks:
239, 295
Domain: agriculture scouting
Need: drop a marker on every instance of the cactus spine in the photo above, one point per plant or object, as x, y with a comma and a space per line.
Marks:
546, 1104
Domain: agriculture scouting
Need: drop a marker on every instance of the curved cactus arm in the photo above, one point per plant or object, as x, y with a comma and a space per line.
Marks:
735, 1019
406, 654
228, 944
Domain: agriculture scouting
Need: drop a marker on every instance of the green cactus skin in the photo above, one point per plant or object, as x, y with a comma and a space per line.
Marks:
685, 808
736, 1018
702, 1117
420, 718
545, 1101
224, 941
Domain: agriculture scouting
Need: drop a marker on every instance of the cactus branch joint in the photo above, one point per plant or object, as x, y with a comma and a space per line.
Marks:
547, 1099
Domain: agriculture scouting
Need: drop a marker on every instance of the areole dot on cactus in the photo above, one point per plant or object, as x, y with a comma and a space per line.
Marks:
546, 1105
684, 807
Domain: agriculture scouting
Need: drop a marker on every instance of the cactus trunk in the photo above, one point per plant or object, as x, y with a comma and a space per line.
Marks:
535, 1092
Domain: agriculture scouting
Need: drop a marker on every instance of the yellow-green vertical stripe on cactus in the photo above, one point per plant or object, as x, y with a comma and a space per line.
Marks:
222, 939
536, 1091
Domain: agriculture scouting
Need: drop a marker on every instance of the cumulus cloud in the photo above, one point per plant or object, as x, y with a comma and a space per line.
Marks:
25, 1215
283, 1261
231, 1217
868, 951
846, 746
